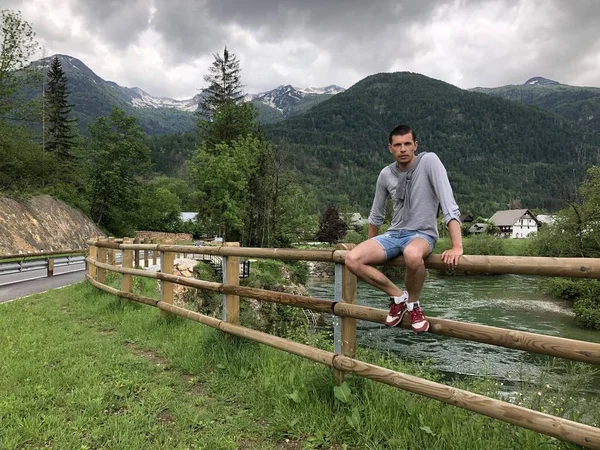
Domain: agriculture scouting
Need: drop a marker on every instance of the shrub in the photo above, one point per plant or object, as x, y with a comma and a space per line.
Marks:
584, 293
587, 311
483, 245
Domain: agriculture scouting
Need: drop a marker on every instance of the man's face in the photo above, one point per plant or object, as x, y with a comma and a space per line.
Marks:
403, 148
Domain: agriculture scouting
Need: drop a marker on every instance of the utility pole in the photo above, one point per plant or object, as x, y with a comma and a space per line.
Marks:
43, 99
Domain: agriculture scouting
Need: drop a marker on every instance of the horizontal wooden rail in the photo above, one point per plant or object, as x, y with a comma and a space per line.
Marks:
44, 254
575, 350
518, 265
557, 427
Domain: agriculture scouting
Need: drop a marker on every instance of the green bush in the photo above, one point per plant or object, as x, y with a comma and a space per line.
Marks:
268, 274
300, 271
567, 288
584, 293
587, 311
483, 245
206, 302
353, 237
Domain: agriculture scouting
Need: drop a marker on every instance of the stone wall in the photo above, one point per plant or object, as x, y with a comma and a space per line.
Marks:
163, 237
319, 269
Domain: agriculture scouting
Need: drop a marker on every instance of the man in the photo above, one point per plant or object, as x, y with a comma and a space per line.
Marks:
418, 186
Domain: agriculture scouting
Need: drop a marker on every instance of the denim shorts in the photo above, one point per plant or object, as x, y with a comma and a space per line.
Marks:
394, 242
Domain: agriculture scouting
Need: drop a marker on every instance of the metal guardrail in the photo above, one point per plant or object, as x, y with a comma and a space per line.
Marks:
43, 263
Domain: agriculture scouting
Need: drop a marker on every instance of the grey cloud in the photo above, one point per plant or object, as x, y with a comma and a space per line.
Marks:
116, 21
188, 30
314, 41
191, 27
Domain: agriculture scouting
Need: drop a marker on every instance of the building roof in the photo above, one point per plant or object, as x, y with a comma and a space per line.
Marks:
547, 218
188, 216
479, 227
509, 217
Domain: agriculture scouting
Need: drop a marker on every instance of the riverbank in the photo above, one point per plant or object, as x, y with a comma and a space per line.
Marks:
121, 377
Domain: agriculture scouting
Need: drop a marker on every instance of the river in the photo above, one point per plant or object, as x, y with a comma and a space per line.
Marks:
507, 301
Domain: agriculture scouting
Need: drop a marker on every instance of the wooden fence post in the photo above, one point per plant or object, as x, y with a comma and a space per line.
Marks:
345, 291
112, 253
102, 259
93, 254
231, 277
127, 280
166, 266
146, 254
50, 267
136, 262
154, 252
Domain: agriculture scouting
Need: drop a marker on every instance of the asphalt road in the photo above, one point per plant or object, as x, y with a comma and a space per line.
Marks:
14, 291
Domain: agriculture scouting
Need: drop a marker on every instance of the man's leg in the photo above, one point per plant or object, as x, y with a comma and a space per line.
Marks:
359, 261
414, 276
414, 256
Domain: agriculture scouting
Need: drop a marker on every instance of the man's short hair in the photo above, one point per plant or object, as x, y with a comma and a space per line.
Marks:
401, 130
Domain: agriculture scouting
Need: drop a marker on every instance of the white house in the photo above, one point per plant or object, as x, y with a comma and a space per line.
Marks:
515, 223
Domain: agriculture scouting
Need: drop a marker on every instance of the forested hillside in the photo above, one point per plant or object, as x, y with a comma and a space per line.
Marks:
495, 150
576, 103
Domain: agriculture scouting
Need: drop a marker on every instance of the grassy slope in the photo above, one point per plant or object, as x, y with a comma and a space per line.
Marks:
82, 369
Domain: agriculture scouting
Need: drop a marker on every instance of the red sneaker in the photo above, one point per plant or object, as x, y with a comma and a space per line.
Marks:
397, 311
417, 320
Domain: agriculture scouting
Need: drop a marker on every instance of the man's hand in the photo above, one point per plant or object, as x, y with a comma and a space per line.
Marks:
451, 257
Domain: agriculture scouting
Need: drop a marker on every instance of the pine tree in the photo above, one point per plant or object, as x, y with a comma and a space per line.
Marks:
224, 84
60, 131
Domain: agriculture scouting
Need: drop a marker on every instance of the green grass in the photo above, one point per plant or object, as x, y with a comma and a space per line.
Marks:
82, 369
487, 245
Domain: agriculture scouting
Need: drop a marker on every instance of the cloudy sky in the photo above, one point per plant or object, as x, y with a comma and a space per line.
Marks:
166, 46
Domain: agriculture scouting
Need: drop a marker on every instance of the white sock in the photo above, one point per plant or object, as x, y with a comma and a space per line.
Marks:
411, 305
401, 298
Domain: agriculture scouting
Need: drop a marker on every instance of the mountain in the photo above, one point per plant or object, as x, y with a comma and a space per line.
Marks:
287, 101
93, 97
541, 81
576, 103
494, 149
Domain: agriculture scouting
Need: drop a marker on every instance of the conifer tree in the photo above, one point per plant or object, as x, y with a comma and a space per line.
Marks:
60, 131
224, 84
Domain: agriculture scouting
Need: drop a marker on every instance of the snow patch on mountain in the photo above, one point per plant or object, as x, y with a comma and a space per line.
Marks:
280, 98
541, 81
141, 99
330, 90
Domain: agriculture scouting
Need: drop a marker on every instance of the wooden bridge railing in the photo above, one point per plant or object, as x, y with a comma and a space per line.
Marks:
345, 311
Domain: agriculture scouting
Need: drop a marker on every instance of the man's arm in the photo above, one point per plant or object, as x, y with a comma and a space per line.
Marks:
373, 231
450, 257
377, 214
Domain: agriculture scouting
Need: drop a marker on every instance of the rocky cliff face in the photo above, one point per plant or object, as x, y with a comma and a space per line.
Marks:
42, 223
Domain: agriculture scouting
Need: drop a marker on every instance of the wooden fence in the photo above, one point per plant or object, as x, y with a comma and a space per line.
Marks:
345, 312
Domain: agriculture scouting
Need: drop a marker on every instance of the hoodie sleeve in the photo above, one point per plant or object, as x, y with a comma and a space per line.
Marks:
441, 185
377, 215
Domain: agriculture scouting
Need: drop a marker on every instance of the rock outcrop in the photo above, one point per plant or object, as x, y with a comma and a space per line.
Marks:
42, 223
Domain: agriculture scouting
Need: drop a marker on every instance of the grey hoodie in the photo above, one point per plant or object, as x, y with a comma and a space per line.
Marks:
417, 195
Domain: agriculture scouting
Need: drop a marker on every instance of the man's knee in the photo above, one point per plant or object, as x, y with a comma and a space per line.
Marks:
352, 260
413, 258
